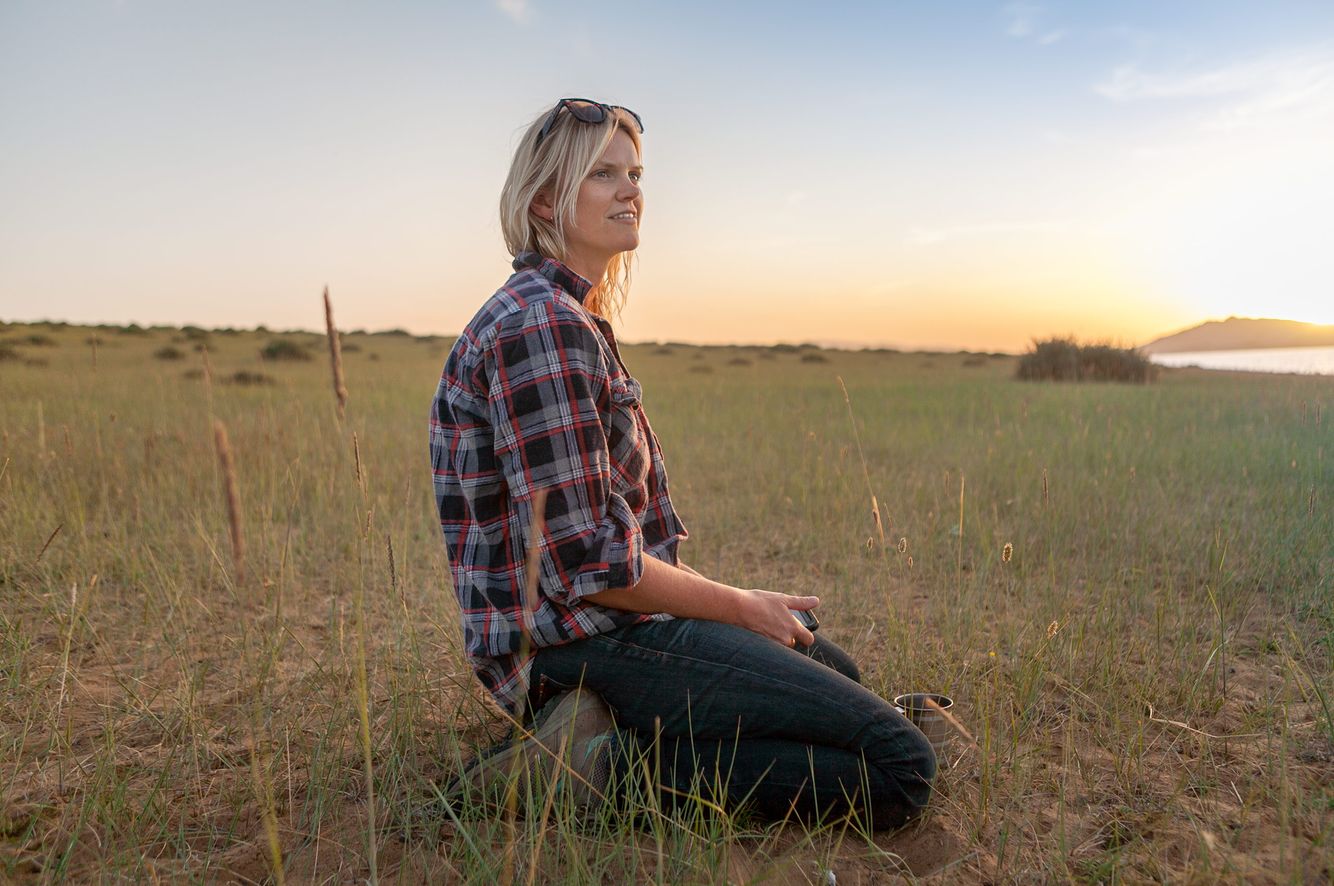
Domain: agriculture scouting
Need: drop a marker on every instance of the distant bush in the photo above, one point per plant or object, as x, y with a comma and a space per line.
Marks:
169, 353
281, 349
739, 361
7, 352
132, 329
193, 374
248, 378
814, 358
1064, 359
41, 341
975, 360
348, 347
664, 352
400, 333
784, 348
194, 333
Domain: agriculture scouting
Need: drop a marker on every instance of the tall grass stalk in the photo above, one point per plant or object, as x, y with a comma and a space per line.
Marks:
232, 497
335, 355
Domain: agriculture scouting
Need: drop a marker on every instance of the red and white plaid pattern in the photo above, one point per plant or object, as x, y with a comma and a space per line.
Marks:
534, 396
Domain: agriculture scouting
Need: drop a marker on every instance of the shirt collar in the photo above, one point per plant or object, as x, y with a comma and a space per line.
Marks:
554, 271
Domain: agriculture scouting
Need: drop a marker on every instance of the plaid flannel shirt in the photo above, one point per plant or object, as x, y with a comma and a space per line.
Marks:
534, 396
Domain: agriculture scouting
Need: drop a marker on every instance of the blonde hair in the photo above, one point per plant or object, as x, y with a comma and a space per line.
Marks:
559, 165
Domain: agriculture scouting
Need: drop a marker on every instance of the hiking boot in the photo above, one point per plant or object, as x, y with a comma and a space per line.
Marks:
570, 750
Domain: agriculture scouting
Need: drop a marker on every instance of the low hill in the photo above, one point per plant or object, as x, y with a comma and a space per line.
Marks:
1242, 333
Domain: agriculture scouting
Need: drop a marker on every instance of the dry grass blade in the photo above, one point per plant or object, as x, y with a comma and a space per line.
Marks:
953, 723
50, 538
231, 492
1153, 717
335, 355
866, 471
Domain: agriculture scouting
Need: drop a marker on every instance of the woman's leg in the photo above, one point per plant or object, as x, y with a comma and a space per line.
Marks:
830, 654
770, 725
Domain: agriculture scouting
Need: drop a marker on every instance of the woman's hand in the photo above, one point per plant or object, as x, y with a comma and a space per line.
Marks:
768, 613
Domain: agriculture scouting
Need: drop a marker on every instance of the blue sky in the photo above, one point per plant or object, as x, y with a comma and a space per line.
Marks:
898, 173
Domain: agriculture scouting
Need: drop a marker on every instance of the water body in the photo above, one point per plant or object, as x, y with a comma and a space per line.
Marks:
1307, 361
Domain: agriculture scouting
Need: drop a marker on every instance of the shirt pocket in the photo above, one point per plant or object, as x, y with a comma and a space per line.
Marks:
627, 442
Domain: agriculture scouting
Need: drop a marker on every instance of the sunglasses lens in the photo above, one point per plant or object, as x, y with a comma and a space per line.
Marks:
587, 112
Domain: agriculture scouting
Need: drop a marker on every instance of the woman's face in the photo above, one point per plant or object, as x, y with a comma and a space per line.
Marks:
607, 211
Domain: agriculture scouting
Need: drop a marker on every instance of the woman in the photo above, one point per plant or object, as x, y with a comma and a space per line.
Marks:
588, 613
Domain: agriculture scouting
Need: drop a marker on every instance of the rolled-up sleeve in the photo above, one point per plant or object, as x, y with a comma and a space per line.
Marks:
549, 389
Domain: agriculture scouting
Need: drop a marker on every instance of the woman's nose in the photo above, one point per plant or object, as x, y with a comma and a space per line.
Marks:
630, 189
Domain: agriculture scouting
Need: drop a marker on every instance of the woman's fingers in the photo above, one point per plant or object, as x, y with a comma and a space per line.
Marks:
772, 617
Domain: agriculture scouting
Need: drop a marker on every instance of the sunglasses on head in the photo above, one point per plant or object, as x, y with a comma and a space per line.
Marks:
585, 111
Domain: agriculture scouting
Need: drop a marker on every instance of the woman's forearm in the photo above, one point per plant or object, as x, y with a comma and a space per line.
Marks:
682, 565
687, 594
681, 592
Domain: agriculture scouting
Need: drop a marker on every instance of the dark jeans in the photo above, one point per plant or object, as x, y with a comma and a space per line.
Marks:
784, 731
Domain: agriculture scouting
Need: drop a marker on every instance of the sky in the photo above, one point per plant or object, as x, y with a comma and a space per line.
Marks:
905, 174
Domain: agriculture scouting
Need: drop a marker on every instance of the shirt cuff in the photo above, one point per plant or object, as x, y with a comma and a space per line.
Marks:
614, 558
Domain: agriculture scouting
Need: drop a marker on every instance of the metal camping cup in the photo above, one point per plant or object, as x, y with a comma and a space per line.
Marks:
937, 731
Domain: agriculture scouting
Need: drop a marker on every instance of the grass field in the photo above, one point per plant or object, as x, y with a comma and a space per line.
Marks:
1147, 674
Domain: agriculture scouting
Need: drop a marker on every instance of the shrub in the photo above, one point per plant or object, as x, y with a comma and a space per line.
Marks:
738, 361
194, 333
132, 329
41, 341
281, 349
7, 352
975, 360
245, 377
169, 353
1064, 359
814, 358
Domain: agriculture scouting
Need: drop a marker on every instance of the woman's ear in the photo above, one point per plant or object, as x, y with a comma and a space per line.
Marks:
542, 207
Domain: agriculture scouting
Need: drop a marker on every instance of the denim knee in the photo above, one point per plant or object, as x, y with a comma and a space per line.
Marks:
907, 762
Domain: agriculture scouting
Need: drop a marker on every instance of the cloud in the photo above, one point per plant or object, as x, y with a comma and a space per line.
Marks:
935, 236
1022, 23
1292, 81
519, 11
